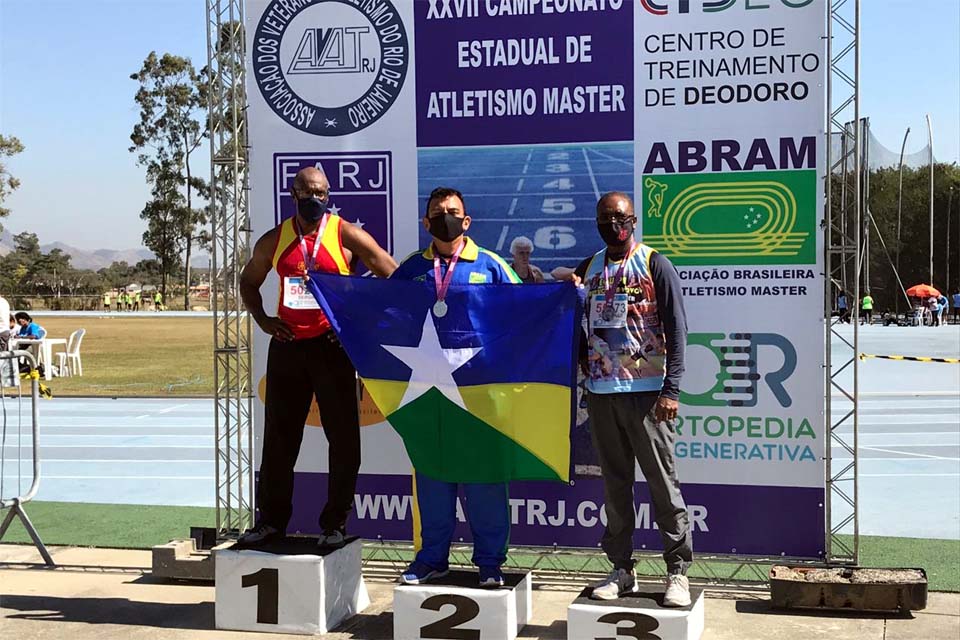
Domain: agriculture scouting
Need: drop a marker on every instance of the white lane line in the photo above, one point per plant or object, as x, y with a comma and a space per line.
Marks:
926, 460
907, 453
520, 184
526, 164
593, 179
910, 475
125, 446
151, 478
503, 236
513, 206
609, 157
103, 460
173, 408
146, 415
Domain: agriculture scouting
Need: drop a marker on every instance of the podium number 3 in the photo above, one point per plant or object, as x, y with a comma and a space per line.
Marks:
642, 625
464, 610
268, 593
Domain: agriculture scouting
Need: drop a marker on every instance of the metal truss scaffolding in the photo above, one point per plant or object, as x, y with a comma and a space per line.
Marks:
231, 241
843, 262
232, 330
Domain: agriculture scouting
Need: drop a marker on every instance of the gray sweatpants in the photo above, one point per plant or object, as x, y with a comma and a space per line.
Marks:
623, 429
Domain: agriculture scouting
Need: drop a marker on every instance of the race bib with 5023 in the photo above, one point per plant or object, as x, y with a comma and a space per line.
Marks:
296, 295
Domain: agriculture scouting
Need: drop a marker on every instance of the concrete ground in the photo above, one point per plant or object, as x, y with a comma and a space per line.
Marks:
105, 594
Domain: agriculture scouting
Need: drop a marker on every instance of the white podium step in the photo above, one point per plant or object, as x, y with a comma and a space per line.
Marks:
457, 608
288, 586
635, 615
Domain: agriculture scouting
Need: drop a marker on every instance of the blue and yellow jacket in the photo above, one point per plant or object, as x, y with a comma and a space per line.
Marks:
476, 265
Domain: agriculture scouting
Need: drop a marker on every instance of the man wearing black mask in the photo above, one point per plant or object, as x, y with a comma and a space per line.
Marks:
305, 359
633, 360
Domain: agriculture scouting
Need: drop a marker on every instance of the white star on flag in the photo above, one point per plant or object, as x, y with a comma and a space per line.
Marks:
358, 224
432, 365
334, 209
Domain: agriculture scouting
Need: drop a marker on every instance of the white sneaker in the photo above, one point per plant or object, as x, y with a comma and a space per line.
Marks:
678, 591
619, 581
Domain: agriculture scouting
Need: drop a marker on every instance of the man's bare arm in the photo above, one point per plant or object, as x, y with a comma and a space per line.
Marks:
251, 279
366, 248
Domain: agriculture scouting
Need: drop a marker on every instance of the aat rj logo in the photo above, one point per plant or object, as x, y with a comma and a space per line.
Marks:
738, 380
665, 7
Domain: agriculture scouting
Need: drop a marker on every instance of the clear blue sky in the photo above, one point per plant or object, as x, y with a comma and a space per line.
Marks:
65, 92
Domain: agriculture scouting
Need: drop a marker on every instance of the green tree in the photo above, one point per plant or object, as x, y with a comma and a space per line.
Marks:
172, 98
167, 216
9, 146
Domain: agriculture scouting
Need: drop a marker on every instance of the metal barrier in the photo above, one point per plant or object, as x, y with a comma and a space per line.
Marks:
10, 374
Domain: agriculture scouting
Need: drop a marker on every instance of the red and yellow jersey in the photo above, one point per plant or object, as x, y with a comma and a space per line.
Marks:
297, 306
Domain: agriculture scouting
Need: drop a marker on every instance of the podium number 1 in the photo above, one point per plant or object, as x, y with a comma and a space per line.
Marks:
464, 610
642, 625
268, 593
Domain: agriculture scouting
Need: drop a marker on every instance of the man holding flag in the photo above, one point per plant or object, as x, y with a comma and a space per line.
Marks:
305, 360
453, 258
479, 395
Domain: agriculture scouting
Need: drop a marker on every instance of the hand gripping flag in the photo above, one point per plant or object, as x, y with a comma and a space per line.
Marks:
483, 394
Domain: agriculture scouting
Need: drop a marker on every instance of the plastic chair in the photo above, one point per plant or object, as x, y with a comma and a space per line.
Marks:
68, 361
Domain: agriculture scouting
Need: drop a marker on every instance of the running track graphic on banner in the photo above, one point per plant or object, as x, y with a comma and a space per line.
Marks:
546, 193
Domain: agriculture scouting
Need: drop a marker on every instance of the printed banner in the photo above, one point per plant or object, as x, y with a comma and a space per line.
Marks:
710, 114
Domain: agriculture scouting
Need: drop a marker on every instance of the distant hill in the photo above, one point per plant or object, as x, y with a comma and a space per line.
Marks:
97, 259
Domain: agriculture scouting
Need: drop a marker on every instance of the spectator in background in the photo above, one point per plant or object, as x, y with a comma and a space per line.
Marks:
136, 300
942, 303
842, 306
157, 301
520, 249
956, 305
6, 334
106, 301
867, 307
29, 328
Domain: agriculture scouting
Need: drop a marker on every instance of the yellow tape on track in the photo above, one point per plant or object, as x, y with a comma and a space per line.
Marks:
864, 356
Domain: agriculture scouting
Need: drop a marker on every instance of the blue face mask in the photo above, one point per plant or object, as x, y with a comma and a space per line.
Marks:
311, 208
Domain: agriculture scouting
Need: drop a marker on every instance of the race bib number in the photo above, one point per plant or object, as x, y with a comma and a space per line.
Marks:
608, 315
296, 295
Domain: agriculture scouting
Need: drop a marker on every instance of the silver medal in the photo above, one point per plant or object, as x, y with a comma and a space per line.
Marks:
440, 308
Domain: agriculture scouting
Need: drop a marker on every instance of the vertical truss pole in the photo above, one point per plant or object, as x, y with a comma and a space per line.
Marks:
226, 46
842, 247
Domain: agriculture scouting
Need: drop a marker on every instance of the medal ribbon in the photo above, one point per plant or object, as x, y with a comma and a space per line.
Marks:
611, 290
310, 262
444, 283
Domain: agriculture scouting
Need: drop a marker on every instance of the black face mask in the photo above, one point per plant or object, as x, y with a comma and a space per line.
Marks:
311, 208
615, 233
446, 227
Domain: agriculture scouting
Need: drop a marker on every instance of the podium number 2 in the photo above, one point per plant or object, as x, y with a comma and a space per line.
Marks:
268, 593
464, 610
642, 625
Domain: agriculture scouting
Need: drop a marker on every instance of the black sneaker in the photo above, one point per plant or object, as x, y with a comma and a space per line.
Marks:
260, 534
332, 539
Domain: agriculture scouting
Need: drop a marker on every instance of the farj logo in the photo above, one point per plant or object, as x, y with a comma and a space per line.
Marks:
664, 7
330, 67
361, 188
739, 378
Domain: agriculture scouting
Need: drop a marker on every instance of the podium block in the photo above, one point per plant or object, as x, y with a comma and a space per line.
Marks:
288, 586
635, 615
456, 607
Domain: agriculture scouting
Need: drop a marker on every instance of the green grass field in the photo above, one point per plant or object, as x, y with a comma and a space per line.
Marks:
131, 356
140, 527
